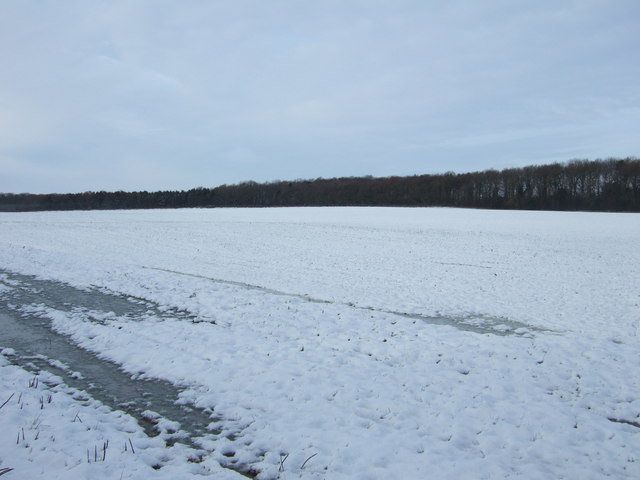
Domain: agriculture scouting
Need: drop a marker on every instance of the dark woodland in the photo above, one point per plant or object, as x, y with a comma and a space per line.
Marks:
600, 185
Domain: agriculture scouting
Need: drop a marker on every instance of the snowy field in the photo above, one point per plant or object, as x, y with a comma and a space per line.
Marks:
340, 343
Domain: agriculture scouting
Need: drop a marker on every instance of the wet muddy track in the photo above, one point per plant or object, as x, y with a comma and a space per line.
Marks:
37, 348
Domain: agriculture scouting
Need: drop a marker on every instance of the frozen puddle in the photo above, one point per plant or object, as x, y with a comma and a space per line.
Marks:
154, 403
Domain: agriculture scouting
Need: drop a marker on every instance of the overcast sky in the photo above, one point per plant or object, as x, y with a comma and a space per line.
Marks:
148, 95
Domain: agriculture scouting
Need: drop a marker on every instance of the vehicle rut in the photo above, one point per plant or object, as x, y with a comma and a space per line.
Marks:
39, 348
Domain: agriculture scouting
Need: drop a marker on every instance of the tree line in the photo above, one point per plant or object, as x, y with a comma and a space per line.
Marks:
598, 185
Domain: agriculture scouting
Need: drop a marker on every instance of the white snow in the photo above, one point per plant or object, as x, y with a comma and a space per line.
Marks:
300, 345
52, 431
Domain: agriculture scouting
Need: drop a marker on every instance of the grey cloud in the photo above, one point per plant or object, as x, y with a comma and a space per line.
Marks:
159, 94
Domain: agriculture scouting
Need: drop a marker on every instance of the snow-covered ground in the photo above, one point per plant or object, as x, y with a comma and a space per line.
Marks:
53, 431
368, 342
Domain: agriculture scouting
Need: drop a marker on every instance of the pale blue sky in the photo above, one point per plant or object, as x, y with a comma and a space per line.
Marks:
147, 95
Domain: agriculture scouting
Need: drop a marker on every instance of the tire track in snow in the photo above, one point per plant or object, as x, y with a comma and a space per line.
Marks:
154, 403
476, 323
